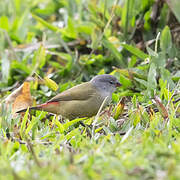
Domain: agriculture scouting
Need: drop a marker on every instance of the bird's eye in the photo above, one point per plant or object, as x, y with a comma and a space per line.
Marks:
111, 82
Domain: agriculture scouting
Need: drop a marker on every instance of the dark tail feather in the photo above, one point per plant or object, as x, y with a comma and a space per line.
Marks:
24, 110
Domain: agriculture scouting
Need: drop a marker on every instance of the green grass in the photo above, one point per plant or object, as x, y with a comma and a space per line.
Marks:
70, 42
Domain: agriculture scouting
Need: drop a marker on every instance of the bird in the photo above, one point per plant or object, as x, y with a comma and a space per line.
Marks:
83, 100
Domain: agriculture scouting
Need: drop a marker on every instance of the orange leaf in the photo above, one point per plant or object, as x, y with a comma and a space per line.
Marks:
20, 98
24, 99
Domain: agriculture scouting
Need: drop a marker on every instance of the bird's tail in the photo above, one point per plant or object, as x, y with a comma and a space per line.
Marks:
48, 107
31, 108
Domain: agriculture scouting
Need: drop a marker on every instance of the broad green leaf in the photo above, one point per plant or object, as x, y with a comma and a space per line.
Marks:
135, 51
151, 52
163, 20
147, 20
166, 40
159, 60
152, 83
125, 81
113, 50
166, 76
70, 31
132, 62
142, 81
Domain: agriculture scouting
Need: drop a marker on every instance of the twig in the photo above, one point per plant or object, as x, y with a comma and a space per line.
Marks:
31, 149
156, 43
97, 116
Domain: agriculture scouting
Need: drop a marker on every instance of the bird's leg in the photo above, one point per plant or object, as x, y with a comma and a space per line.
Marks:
86, 126
82, 124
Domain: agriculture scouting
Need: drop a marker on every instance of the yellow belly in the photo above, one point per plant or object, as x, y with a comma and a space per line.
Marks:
75, 109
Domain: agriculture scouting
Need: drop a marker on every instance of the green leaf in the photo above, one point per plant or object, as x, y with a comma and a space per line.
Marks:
135, 51
166, 40
45, 23
33, 122
70, 123
4, 23
151, 52
113, 50
51, 84
23, 124
125, 81
19, 65
22, 25
96, 36
86, 28
39, 58
174, 5
70, 31
159, 60
59, 125
142, 81
127, 15
72, 133
132, 62
166, 76
152, 83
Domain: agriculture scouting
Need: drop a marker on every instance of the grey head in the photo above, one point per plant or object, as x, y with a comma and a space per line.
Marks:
105, 83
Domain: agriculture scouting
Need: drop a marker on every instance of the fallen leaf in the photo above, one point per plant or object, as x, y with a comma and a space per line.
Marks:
161, 107
24, 99
20, 98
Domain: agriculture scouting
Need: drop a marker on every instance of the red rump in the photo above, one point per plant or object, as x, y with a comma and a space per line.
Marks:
48, 103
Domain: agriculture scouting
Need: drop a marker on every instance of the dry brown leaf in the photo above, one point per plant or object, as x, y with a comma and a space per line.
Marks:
161, 107
20, 98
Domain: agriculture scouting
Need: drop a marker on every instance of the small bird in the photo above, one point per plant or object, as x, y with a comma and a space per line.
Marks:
83, 100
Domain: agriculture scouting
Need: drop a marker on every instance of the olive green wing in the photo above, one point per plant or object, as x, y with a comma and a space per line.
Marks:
80, 92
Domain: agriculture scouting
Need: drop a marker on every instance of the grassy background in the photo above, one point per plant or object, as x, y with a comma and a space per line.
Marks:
70, 41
